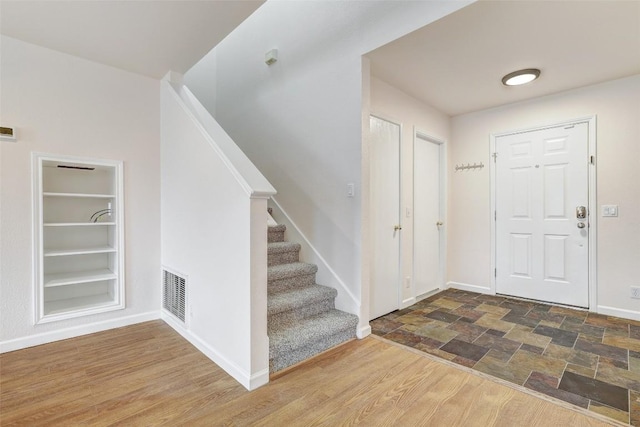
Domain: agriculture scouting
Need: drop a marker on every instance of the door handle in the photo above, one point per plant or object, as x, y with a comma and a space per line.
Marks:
581, 225
439, 223
397, 227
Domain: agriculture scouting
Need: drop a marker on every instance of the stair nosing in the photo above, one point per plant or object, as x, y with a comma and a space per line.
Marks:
282, 247
289, 270
282, 338
311, 294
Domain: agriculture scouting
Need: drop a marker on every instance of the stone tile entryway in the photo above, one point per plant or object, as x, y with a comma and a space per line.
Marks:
586, 359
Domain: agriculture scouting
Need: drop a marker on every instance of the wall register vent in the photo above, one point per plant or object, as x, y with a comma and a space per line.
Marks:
174, 294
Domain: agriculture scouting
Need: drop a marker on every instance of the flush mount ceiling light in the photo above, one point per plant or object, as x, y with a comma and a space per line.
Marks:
521, 77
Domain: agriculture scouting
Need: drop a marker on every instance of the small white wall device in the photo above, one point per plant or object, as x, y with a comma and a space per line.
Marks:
610, 210
7, 134
271, 57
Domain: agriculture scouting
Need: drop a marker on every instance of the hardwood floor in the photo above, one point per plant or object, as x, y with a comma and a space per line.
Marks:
147, 374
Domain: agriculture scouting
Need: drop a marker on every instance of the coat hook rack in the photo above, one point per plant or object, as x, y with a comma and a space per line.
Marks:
475, 165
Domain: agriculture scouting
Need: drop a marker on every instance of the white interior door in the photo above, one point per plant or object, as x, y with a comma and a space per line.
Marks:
385, 217
542, 241
427, 215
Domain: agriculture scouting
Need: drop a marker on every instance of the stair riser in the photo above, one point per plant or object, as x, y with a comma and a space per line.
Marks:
280, 360
280, 320
283, 258
275, 236
291, 283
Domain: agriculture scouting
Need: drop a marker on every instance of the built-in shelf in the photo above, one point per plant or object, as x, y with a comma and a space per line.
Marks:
79, 264
79, 251
76, 224
65, 279
78, 305
81, 195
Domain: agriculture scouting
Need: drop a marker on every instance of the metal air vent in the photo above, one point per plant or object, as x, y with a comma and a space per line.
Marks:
174, 294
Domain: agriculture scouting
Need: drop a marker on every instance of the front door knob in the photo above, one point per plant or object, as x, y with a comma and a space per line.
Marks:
397, 227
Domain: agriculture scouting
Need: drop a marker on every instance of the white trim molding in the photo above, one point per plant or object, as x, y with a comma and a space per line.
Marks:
471, 288
76, 331
408, 302
619, 312
363, 331
250, 382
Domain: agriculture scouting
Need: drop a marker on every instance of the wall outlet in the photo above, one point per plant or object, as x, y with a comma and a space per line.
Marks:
635, 292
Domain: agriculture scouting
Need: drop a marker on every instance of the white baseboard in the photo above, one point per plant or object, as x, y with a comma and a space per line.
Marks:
363, 331
469, 287
75, 331
619, 312
250, 382
428, 294
601, 309
408, 302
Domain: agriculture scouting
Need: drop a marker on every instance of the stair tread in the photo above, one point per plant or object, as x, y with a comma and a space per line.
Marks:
284, 271
298, 297
309, 330
281, 247
276, 228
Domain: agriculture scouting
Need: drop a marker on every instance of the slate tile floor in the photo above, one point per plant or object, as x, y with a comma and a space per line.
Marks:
586, 359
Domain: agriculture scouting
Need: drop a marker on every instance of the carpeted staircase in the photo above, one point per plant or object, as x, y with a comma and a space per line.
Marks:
302, 319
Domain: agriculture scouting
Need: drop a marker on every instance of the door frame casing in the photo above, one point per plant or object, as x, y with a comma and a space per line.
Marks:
417, 133
593, 212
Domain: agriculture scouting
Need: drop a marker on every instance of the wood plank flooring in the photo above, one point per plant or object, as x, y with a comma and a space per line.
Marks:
147, 374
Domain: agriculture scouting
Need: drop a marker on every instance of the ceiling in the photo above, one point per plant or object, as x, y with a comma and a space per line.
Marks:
456, 64
144, 37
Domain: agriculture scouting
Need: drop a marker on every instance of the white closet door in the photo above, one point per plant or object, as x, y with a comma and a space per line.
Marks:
385, 216
426, 215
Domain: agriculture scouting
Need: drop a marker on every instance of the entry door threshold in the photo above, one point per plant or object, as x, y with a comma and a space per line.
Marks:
553, 304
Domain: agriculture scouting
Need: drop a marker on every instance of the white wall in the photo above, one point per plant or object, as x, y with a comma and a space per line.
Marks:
61, 104
617, 106
299, 120
201, 79
393, 104
215, 233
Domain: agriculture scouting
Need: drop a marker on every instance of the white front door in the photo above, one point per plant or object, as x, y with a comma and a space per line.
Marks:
385, 217
427, 215
542, 219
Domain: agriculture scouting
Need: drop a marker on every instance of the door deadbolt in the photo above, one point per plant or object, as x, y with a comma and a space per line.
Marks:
581, 212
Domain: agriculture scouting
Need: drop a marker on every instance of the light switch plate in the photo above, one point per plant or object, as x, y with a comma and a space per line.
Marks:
609, 210
351, 190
